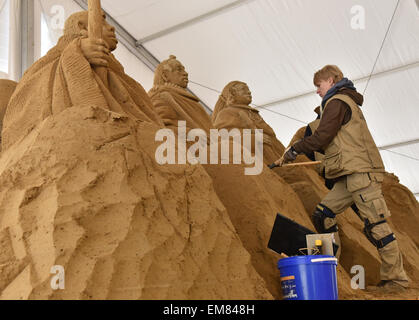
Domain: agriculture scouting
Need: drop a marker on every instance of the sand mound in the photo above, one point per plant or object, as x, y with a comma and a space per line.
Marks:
83, 191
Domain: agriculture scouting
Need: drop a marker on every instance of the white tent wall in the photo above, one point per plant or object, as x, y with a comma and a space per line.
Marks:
134, 67
402, 44
404, 168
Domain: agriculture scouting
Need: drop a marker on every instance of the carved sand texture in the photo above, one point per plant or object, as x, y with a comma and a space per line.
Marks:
84, 191
233, 111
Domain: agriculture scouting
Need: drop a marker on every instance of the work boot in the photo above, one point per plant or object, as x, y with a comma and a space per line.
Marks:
387, 286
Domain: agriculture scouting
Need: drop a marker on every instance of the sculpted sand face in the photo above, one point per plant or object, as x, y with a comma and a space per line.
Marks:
233, 110
187, 123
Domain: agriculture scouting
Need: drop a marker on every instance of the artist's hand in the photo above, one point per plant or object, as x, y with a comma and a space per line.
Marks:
95, 51
289, 155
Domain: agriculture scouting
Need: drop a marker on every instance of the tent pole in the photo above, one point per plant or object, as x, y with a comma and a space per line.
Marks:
141, 53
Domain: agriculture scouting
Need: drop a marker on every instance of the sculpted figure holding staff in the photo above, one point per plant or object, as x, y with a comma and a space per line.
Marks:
68, 76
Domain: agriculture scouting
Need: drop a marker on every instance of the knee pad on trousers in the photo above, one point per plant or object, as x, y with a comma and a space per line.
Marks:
381, 243
320, 215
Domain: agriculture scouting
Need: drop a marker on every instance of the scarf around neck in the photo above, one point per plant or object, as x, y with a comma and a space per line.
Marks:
344, 83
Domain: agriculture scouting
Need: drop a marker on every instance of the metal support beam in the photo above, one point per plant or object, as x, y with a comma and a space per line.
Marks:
400, 144
195, 20
375, 75
126, 39
21, 37
27, 35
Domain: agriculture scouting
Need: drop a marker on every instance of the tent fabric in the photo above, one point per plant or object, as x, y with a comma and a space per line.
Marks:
276, 46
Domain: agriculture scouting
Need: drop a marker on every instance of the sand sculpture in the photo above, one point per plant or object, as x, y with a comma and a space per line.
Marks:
64, 78
80, 188
172, 100
233, 110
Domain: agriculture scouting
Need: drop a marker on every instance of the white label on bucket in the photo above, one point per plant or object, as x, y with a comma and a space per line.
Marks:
324, 260
289, 288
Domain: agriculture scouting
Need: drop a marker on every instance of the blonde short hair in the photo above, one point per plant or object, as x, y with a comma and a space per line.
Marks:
329, 71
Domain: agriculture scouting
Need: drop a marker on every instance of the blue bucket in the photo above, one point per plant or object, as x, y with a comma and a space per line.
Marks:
309, 278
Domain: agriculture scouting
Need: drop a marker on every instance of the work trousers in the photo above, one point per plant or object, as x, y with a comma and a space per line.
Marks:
364, 190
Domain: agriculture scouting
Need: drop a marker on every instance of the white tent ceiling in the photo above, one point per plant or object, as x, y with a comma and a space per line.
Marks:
277, 45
